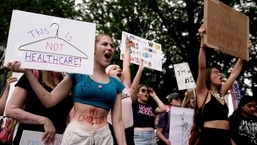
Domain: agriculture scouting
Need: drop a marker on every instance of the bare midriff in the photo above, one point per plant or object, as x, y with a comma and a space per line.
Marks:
90, 117
143, 129
219, 124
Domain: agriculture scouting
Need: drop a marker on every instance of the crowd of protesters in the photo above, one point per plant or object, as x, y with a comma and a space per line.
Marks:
42, 101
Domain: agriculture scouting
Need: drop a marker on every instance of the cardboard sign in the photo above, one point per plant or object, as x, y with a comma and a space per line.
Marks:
184, 76
181, 122
51, 43
142, 49
34, 138
227, 29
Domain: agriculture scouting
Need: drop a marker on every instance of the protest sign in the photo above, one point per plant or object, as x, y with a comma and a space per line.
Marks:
35, 138
51, 43
227, 29
184, 76
236, 95
142, 49
181, 122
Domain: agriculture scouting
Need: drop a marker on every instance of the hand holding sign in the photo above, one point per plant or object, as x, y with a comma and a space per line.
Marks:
49, 134
141, 48
128, 42
249, 44
15, 66
202, 30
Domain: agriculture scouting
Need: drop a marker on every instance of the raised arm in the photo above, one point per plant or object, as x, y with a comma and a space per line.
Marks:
117, 123
5, 94
136, 81
14, 110
126, 62
234, 73
201, 89
161, 107
48, 99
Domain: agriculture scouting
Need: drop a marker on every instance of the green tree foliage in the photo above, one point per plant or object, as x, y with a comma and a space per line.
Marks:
174, 24
59, 8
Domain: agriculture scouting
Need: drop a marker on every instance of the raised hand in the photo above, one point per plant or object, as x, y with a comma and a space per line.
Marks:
152, 93
142, 65
128, 42
15, 66
249, 45
202, 30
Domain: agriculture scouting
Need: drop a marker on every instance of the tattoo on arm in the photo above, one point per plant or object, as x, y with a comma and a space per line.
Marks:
27, 117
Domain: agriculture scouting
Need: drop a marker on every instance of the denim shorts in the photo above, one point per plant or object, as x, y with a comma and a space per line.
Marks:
76, 134
144, 137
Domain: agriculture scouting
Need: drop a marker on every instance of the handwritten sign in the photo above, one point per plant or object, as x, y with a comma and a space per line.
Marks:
142, 49
184, 76
34, 138
51, 43
181, 122
227, 29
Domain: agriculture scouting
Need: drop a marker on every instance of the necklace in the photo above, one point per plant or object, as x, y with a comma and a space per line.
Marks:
218, 96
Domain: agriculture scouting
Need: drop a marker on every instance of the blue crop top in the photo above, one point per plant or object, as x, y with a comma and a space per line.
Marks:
87, 91
214, 110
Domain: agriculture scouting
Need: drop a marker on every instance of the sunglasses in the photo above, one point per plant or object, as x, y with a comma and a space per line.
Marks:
145, 90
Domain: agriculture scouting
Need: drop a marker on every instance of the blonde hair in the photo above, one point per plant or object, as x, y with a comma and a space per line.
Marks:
188, 96
99, 36
47, 78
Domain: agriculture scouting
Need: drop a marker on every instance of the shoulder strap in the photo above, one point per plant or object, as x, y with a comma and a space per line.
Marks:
204, 103
200, 121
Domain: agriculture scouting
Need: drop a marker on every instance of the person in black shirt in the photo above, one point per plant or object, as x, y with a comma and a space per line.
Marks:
243, 122
35, 116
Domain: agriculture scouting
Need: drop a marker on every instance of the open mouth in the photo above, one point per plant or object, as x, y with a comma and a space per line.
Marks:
107, 55
118, 74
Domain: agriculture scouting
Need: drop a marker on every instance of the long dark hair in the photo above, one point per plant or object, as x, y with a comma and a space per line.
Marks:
244, 100
208, 78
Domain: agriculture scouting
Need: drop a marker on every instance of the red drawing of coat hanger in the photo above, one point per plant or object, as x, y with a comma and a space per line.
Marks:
55, 37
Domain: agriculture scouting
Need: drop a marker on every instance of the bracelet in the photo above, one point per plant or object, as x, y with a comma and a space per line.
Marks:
6, 92
155, 97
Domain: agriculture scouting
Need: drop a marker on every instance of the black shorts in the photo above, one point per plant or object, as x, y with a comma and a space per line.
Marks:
214, 136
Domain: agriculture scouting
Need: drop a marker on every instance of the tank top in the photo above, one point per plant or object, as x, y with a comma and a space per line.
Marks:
214, 110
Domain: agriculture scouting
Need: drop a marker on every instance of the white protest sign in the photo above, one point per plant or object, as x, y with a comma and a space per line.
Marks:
184, 76
34, 138
51, 43
181, 122
143, 49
